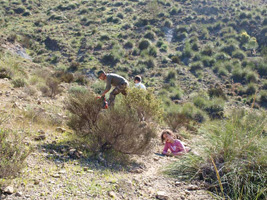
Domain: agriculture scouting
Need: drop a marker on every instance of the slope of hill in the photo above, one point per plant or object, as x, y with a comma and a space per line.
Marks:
203, 59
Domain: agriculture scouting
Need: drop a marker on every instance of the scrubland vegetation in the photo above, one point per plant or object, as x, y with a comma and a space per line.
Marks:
203, 62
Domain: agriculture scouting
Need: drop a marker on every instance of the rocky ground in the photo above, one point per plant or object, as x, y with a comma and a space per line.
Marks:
59, 168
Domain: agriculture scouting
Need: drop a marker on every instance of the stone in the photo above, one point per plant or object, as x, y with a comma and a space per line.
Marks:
177, 183
136, 170
162, 195
72, 151
187, 192
41, 131
56, 175
156, 158
40, 137
60, 130
112, 194
62, 171
193, 187
18, 194
36, 182
15, 105
9, 190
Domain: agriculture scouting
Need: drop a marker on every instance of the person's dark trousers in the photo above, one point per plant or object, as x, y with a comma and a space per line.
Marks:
117, 90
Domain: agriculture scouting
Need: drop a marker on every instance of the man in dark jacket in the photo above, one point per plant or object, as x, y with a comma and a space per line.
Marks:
115, 80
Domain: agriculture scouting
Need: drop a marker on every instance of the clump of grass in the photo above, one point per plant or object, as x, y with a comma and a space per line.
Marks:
231, 158
13, 152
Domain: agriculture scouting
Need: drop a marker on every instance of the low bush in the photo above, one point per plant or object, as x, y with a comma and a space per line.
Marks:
233, 160
215, 108
239, 55
150, 35
19, 82
251, 89
216, 91
143, 44
13, 153
176, 120
126, 128
263, 98
51, 89
5, 73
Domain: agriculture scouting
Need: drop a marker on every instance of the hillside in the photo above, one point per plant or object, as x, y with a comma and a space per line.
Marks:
203, 61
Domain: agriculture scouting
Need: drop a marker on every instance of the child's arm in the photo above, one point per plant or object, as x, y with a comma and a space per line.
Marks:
165, 150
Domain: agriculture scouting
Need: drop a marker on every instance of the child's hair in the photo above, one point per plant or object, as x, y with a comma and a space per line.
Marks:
169, 132
138, 78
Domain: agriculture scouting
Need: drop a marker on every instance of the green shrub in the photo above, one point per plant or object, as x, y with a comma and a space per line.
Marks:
110, 58
13, 153
251, 77
150, 63
207, 61
196, 66
128, 45
263, 98
208, 50
251, 89
216, 91
222, 56
19, 82
262, 69
235, 152
168, 23
77, 90
19, 9
51, 89
104, 37
229, 49
176, 120
125, 128
152, 51
215, 108
150, 35
238, 74
5, 73
144, 44
239, 55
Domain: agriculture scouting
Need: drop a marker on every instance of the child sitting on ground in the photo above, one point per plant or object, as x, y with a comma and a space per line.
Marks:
175, 145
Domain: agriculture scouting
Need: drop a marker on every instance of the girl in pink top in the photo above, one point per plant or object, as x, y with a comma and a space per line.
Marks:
175, 145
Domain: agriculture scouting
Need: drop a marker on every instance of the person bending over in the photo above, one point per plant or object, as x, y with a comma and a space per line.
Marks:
115, 80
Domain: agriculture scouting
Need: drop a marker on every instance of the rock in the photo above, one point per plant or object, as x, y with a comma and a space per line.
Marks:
41, 132
72, 151
187, 192
18, 194
112, 194
56, 175
61, 130
40, 137
62, 171
177, 183
156, 158
9, 190
162, 195
136, 170
193, 187
36, 182
15, 105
